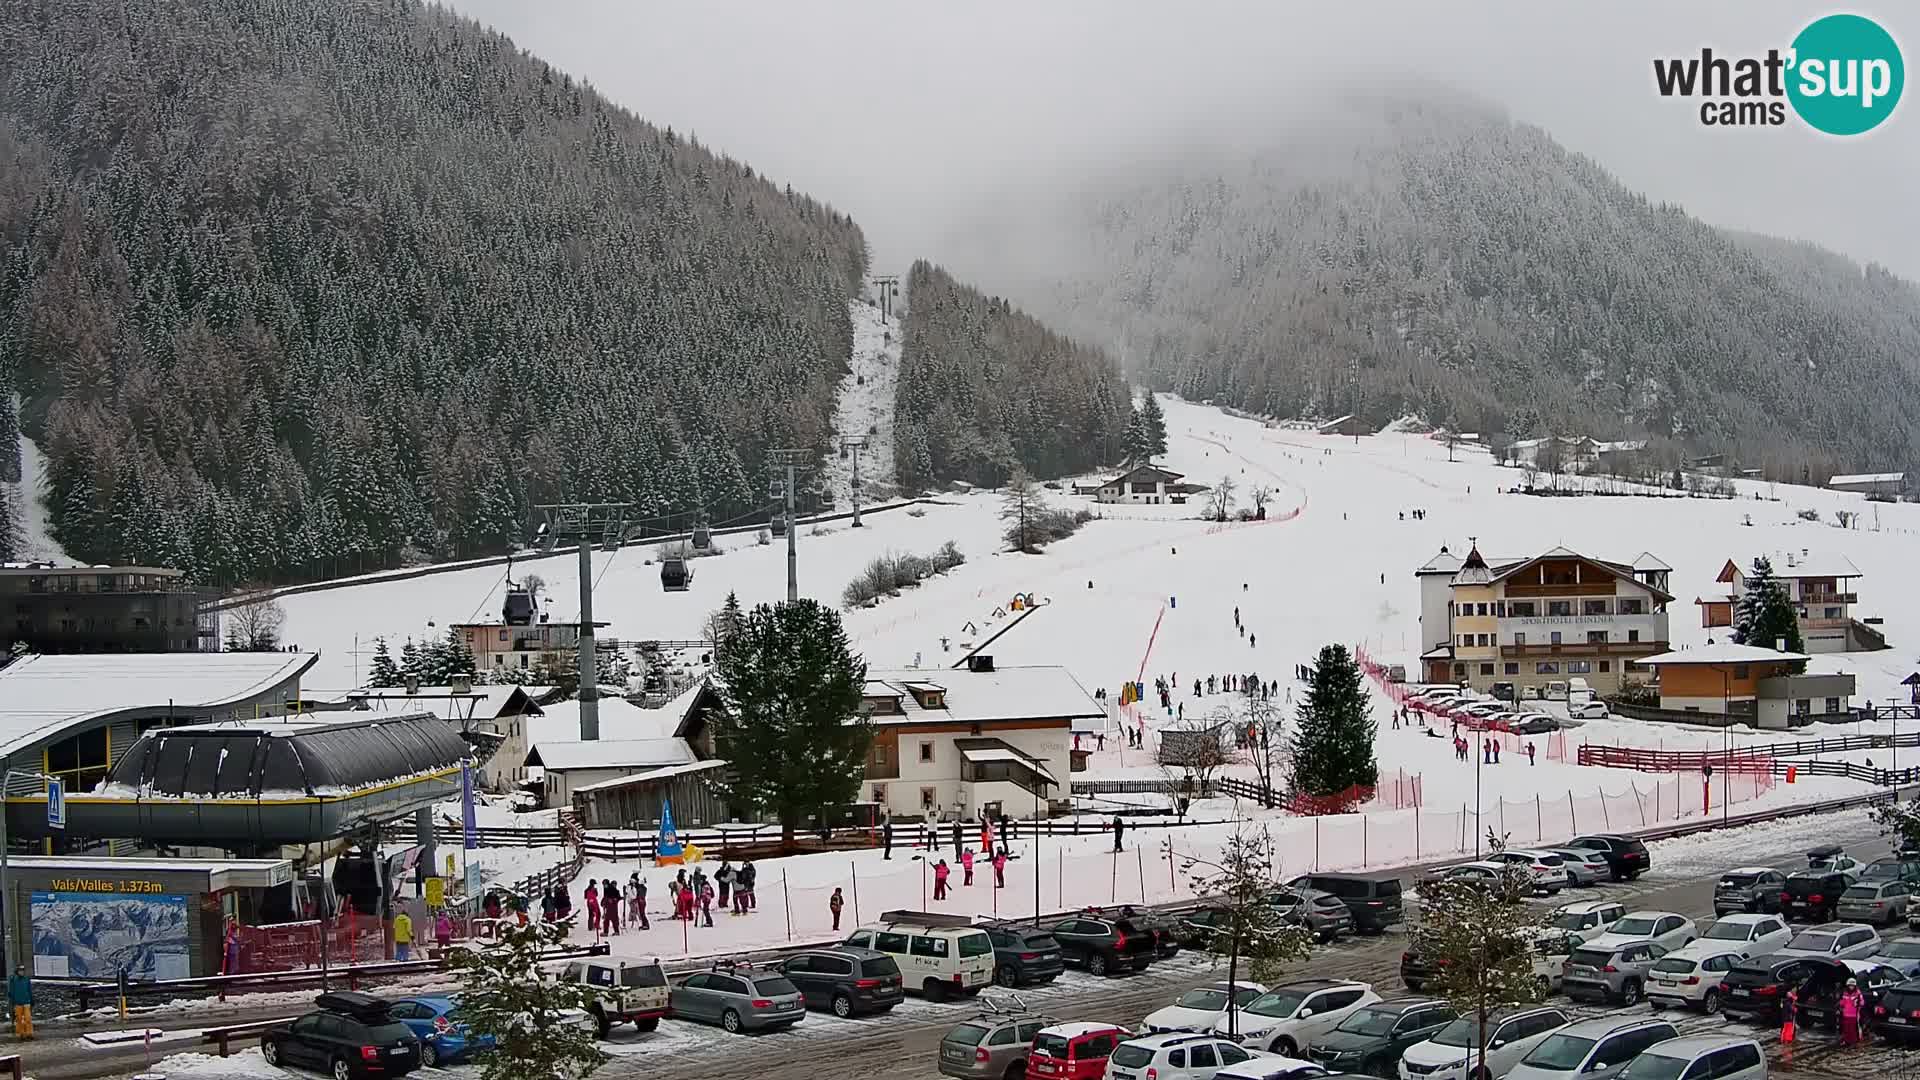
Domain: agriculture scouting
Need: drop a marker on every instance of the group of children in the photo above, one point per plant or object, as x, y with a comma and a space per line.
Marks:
941, 872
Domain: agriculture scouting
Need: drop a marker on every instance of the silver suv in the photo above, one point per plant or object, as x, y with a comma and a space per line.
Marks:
993, 1044
739, 997
1610, 972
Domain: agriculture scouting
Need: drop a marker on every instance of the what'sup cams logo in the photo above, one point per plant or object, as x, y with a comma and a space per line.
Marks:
1842, 75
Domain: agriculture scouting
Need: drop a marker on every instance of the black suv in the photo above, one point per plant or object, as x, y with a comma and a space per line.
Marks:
1898, 1017
1164, 929
1813, 894
1024, 955
1374, 901
1104, 946
350, 1034
1371, 1040
1415, 970
1626, 855
846, 980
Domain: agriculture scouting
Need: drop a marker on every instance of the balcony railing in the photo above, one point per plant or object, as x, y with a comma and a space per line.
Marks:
1584, 648
1813, 597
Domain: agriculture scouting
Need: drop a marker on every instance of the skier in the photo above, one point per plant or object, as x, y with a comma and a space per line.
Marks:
966, 867
940, 872
723, 878
1000, 867
1852, 1004
1236, 615
1100, 740
1119, 828
706, 902
640, 908
886, 837
593, 908
1529, 753
1253, 640
610, 910
743, 883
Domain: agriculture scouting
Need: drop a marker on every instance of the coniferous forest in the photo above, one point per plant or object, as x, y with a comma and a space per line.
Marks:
985, 387
290, 287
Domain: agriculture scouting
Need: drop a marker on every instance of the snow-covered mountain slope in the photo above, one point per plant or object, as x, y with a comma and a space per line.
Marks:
865, 405
36, 542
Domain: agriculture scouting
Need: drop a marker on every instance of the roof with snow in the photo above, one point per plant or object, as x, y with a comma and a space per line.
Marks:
620, 719
285, 757
651, 776
1334, 423
1005, 693
1145, 473
1869, 478
1817, 564
43, 696
484, 702
558, 756
1725, 653
1647, 560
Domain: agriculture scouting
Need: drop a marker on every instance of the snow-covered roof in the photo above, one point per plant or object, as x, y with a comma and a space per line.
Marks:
1724, 653
1818, 564
1005, 693
42, 696
1145, 472
651, 775
610, 754
1869, 478
619, 719
1647, 560
484, 702
1620, 446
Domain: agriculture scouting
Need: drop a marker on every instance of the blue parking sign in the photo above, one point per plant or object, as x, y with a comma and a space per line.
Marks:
56, 805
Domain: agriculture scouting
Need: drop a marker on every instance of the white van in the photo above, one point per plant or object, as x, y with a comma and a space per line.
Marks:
939, 956
1578, 689
1557, 690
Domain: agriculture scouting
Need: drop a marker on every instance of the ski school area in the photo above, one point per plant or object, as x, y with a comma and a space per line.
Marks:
1152, 593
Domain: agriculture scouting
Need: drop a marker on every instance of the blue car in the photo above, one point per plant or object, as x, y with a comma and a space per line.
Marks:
443, 1040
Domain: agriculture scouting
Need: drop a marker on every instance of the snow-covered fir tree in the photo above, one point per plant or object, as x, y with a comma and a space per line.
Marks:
1333, 735
383, 672
1764, 615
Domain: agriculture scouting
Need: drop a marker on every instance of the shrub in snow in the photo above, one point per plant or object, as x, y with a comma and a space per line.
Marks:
888, 574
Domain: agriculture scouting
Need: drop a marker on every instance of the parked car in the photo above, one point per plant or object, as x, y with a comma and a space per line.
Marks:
1627, 855
1591, 709
1292, 1015
1197, 927
1484, 873
1074, 1051
1897, 867
1534, 724
1548, 869
1596, 1049
1024, 955
1834, 857
1722, 1057
940, 956
1322, 913
1820, 1003
1690, 977
1415, 969
1512, 1033
1834, 941
1371, 1039
1902, 955
1163, 929
1749, 935
1200, 1008
1375, 901
739, 998
1749, 888
1104, 946
1173, 1057
624, 991
350, 1034
1587, 919
1897, 1017
992, 1045
1663, 928
1585, 866
846, 981
444, 1039
1755, 988
1880, 902
1275, 1067
1813, 894
1608, 969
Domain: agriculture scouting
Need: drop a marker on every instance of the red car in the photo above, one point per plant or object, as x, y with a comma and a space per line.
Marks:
1074, 1051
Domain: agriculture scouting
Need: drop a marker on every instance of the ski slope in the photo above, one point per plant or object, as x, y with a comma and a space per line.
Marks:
36, 543
865, 405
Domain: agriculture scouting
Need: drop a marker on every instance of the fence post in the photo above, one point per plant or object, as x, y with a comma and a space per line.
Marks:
1140, 867
1316, 843
1113, 880
1416, 830
1539, 820
1463, 828
1363, 841
1503, 819
1572, 815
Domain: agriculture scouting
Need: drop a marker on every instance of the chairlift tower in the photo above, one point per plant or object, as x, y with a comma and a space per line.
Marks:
850, 446
586, 523
793, 461
888, 286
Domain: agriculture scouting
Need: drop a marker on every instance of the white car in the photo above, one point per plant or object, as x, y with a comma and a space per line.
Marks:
1584, 921
1588, 710
1199, 1057
1585, 866
1200, 1008
1752, 935
1511, 1033
1834, 941
1690, 978
1663, 928
1549, 870
1285, 1019
1271, 1067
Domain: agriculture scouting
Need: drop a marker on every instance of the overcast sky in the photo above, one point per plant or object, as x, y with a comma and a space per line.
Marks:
907, 114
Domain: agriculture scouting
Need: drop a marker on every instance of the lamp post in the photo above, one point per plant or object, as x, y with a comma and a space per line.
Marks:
1726, 736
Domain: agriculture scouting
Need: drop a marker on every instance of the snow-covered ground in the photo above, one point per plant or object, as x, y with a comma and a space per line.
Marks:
866, 404
36, 539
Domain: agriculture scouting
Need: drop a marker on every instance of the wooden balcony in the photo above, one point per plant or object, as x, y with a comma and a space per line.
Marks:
1829, 598
1584, 648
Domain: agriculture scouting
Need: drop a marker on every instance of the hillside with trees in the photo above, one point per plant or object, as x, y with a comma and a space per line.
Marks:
1481, 276
296, 287
985, 388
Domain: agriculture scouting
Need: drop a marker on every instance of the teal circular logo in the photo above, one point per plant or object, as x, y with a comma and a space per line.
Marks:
1847, 75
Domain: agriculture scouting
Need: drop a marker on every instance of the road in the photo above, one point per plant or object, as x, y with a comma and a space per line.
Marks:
902, 1045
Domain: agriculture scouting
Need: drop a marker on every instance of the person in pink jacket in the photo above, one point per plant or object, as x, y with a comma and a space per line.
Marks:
940, 872
966, 867
1852, 1004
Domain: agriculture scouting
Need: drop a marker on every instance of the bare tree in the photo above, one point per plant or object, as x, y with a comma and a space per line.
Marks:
255, 627
534, 584
1221, 500
1261, 494
1019, 505
1263, 724
1193, 748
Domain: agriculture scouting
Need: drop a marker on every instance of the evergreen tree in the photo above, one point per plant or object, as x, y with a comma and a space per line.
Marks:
1136, 442
1765, 615
1333, 737
384, 671
410, 661
724, 623
459, 658
1155, 423
790, 723
531, 1014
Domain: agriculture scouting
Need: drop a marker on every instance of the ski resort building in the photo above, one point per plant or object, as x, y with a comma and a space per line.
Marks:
105, 609
1531, 621
970, 740
1750, 684
1143, 484
1886, 485
505, 646
1822, 590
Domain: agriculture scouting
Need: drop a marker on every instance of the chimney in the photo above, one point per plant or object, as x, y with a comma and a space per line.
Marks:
979, 662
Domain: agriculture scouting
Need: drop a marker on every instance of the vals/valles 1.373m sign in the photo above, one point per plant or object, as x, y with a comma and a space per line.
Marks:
1842, 75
